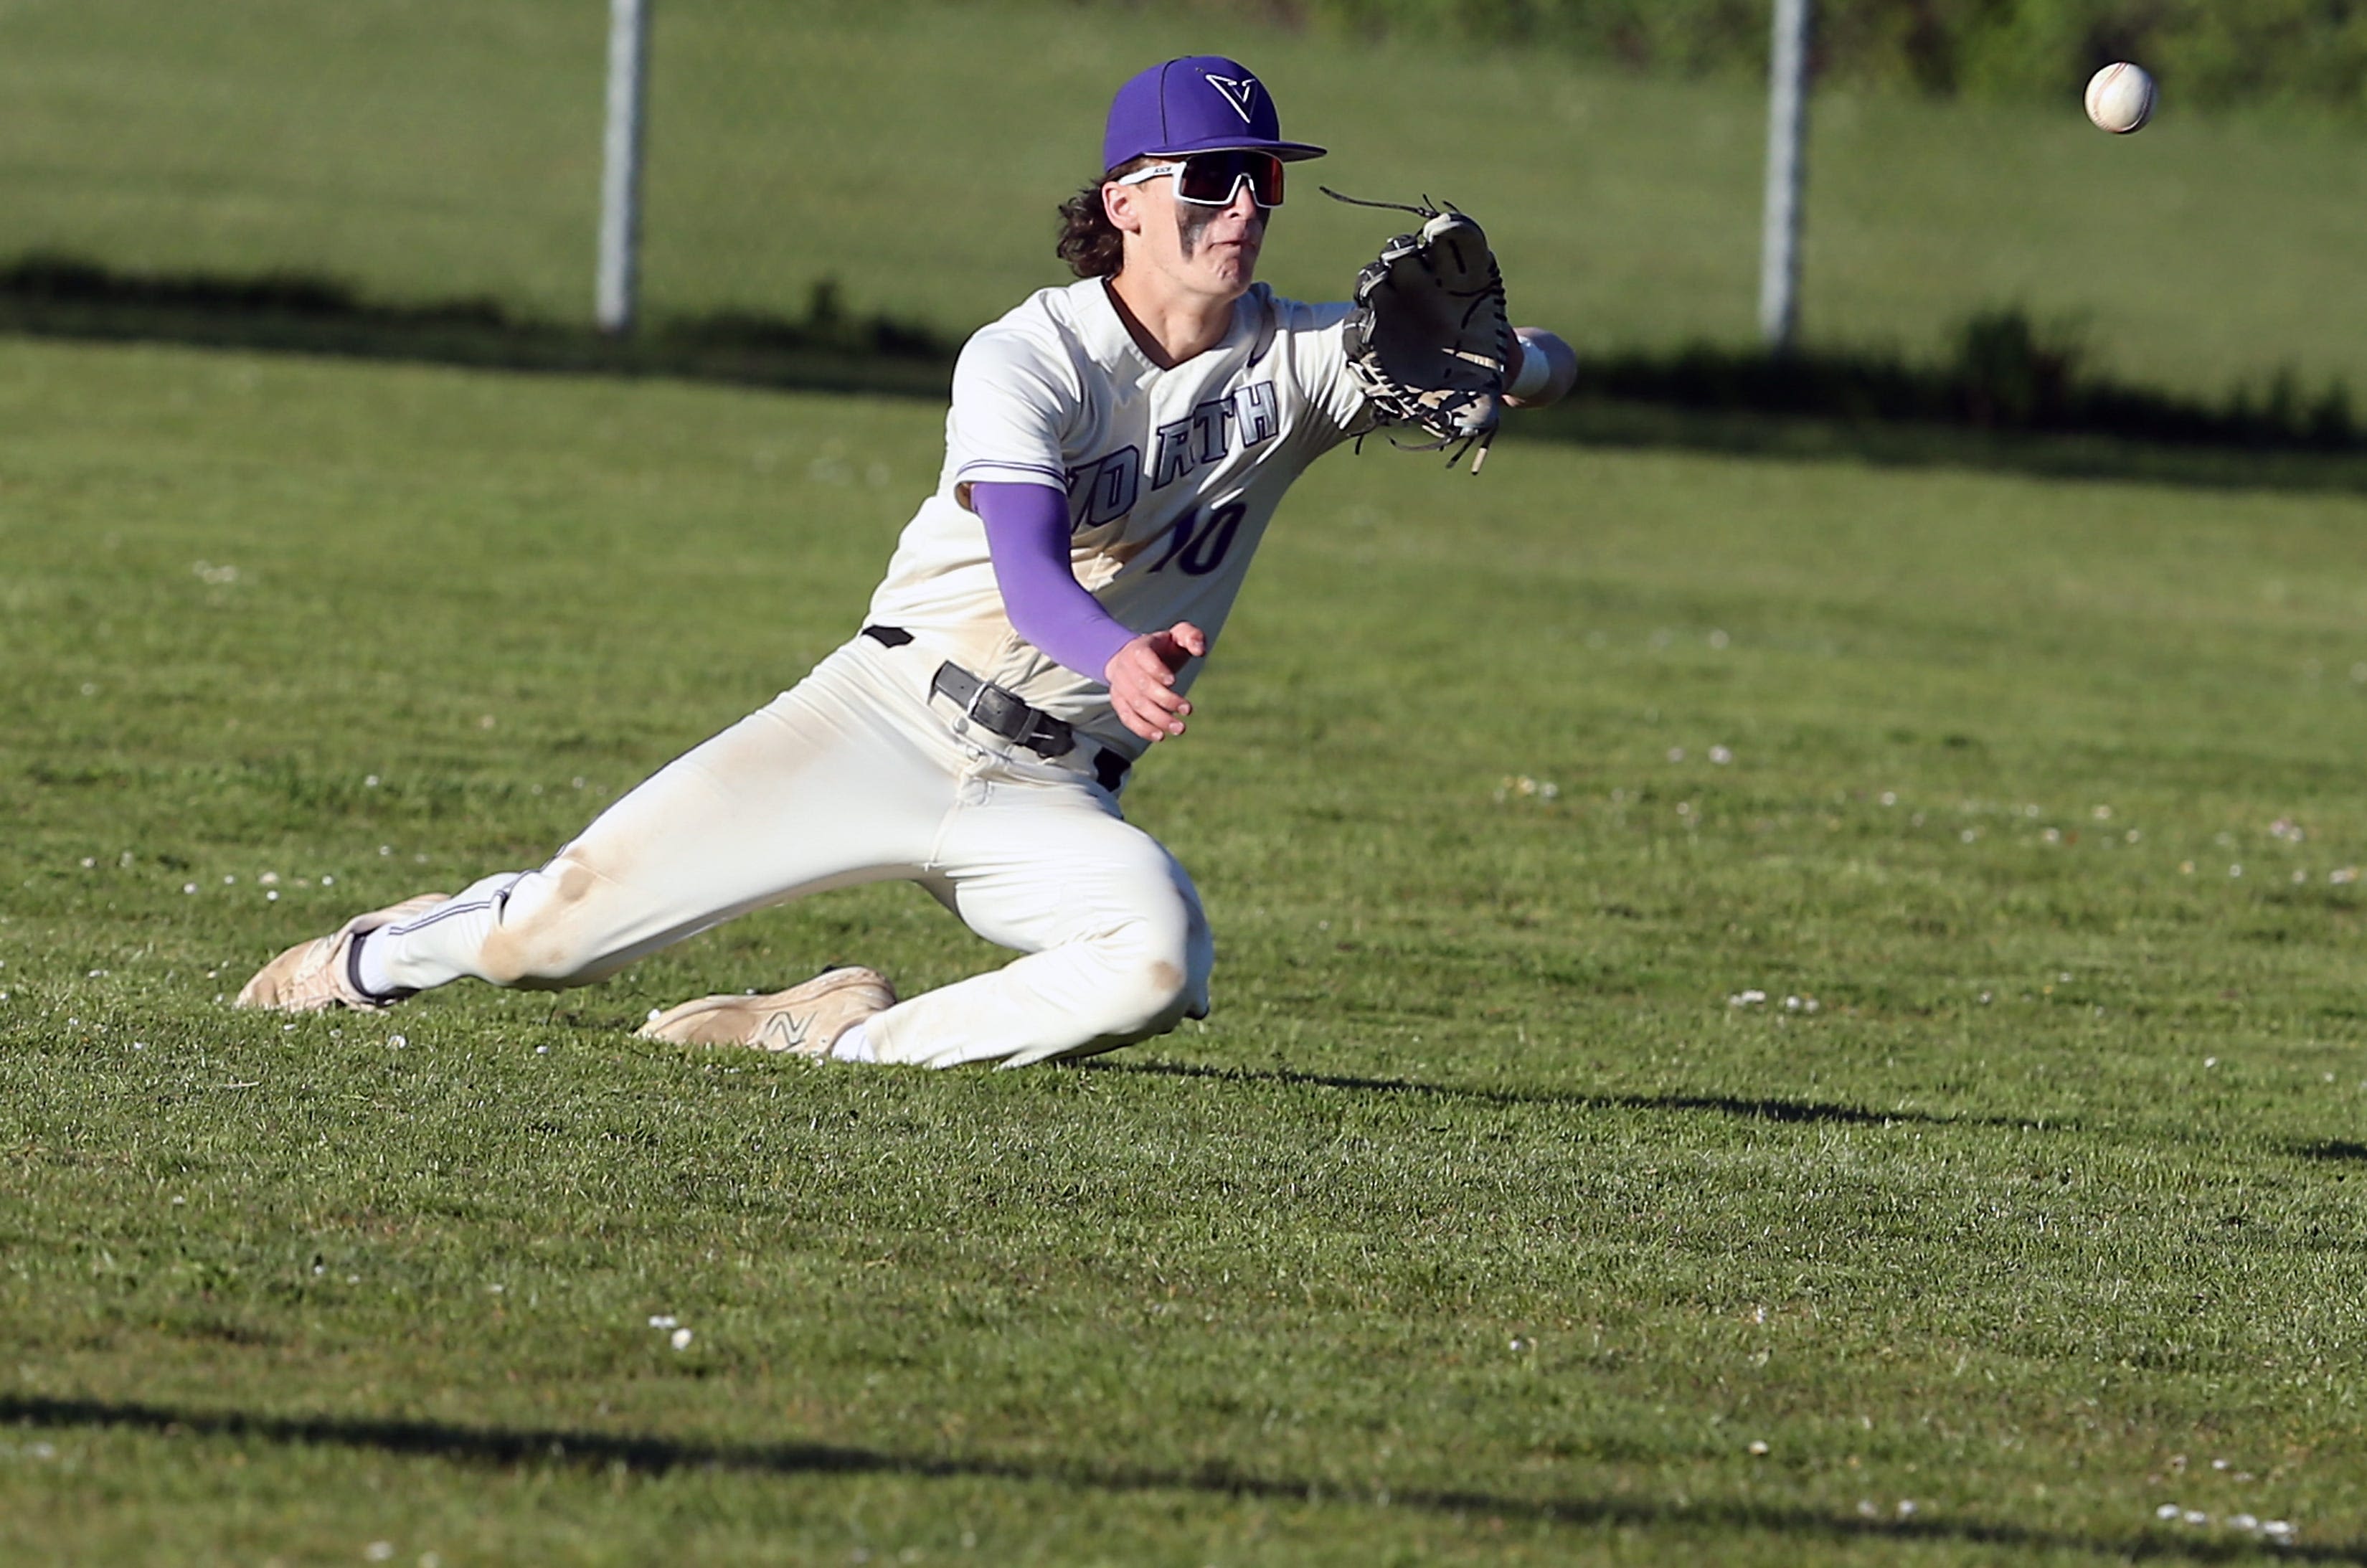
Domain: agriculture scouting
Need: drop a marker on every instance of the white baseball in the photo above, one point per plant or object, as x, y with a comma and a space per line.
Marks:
1548, 369
2120, 98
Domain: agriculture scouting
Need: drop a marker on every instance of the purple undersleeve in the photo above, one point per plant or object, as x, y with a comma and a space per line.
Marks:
1027, 539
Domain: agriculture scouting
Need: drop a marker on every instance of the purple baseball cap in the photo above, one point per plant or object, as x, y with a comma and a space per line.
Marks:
1203, 103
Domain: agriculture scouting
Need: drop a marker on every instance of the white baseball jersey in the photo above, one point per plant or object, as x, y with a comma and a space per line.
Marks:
1171, 475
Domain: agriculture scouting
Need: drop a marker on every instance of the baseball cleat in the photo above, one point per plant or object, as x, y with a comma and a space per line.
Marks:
316, 974
804, 1020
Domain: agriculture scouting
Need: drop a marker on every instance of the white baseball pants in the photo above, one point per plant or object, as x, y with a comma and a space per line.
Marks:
854, 777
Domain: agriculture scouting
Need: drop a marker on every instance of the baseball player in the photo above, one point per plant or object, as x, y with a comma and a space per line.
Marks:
1115, 451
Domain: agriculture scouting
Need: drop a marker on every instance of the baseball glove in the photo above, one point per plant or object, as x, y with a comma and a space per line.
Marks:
1428, 339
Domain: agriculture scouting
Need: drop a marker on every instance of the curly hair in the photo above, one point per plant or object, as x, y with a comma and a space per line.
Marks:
1089, 242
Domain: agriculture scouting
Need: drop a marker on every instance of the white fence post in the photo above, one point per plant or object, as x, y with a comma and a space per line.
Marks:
618, 287
1787, 168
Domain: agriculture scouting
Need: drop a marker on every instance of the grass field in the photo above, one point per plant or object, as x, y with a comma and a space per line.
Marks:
914, 149
1487, 1219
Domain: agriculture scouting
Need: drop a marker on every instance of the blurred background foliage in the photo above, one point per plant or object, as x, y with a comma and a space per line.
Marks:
877, 181
2214, 52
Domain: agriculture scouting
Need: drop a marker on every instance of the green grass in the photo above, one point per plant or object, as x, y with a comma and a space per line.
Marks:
1478, 1224
914, 149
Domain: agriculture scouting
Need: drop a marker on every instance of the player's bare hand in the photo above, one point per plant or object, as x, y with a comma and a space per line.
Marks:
1141, 678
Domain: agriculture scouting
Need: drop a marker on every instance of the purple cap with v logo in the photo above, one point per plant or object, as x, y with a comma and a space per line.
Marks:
1200, 104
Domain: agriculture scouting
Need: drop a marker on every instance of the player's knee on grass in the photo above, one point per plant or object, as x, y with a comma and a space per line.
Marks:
1160, 975
1148, 987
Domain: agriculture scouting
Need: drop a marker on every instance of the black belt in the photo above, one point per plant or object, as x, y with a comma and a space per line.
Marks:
1000, 712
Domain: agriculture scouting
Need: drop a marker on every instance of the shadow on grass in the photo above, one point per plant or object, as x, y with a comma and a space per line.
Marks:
2015, 397
643, 1454
1605, 422
1716, 1105
2341, 1149
829, 349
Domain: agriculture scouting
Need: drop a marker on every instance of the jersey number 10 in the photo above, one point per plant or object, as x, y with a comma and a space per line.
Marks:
1199, 545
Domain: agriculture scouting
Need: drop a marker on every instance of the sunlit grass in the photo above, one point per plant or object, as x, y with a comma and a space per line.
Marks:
1765, 1011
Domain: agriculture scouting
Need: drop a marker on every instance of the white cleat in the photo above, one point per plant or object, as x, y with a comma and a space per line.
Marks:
804, 1020
316, 974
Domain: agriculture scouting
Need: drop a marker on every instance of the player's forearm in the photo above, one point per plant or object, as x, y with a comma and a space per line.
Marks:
1027, 539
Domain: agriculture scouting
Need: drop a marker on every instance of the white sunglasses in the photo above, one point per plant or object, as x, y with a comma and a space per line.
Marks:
1213, 179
